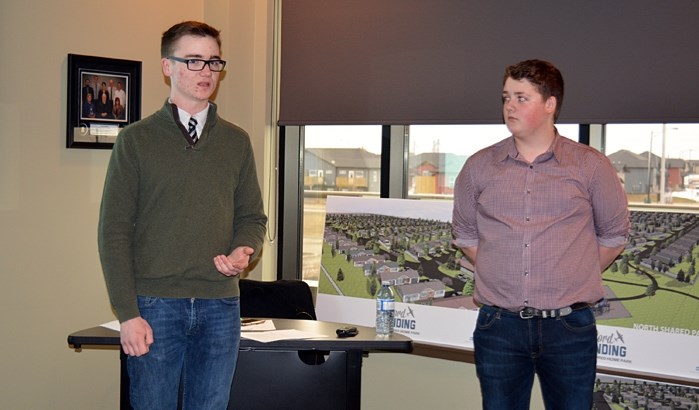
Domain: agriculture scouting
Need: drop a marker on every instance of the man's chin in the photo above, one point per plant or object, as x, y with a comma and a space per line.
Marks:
511, 127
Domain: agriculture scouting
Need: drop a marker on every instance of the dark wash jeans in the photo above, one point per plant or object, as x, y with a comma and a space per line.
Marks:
196, 341
562, 351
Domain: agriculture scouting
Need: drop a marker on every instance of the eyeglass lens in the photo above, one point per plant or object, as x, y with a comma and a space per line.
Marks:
198, 65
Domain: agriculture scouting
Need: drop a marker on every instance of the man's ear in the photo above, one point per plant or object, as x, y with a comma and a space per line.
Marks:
551, 103
166, 66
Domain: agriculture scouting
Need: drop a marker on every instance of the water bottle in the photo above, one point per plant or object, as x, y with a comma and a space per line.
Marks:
384, 310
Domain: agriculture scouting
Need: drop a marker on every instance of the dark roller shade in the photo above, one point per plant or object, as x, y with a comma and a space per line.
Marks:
442, 61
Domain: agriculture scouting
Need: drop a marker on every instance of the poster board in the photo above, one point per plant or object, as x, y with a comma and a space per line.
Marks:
648, 322
633, 393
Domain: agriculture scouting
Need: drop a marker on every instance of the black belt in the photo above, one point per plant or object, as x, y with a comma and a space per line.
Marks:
530, 312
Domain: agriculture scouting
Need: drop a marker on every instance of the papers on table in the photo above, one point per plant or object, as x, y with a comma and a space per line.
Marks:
266, 332
114, 325
284, 334
262, 332
258, 326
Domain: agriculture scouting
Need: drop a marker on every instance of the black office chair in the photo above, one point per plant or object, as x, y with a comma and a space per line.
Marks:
280, 299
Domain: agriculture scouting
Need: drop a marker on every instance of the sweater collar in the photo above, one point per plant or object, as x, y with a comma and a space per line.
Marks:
172, 111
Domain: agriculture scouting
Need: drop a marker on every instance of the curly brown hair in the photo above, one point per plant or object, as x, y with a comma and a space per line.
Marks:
541, 74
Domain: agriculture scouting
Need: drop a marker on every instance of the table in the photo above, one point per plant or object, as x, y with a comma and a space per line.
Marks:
318, 373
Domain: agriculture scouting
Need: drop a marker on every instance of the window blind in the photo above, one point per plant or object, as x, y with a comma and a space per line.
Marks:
442, 61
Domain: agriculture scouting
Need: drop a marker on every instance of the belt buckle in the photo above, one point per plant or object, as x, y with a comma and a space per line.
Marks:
565, 311
526, 313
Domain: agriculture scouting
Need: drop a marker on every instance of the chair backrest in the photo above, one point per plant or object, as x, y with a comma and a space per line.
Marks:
283, 299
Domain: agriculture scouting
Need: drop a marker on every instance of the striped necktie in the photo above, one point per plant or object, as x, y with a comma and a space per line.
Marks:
193, 129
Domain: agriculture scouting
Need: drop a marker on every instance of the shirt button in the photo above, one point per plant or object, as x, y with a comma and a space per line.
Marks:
526, 273
531, 166
527, 219
526, 245
526, 302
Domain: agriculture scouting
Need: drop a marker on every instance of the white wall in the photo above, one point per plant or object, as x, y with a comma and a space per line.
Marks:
50, 278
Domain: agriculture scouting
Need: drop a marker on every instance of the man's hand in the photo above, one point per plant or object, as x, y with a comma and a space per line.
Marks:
136, 336
234, 263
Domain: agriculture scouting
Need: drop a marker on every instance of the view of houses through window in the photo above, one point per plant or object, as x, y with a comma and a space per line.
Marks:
657, 163
338, 160
438, 152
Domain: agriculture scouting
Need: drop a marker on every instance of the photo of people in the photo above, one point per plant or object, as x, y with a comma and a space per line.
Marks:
104, 96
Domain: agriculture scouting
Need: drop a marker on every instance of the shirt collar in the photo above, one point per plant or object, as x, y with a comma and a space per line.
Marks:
508, 149
556, 149
201, 117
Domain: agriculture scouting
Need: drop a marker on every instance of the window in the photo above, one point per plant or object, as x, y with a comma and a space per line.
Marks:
346, 160
658, 163
346, 154
438, 152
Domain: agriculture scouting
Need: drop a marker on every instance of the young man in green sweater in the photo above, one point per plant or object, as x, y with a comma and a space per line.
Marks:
181, 217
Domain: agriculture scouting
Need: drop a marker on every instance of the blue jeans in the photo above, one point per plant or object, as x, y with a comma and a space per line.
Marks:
196, 343
562, 351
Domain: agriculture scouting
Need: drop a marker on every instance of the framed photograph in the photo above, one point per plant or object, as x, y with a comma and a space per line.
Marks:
104, 96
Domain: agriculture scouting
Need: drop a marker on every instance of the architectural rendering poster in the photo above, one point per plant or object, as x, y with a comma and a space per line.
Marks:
648, 321
614, 392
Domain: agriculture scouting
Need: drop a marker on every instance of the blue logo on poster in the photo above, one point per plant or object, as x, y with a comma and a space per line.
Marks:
611, 345
403, 319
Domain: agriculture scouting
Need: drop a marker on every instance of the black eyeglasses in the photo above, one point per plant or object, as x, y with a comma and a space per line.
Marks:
197, 64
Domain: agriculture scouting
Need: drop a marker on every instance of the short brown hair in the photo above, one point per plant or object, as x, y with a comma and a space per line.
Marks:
186, 28
543, 75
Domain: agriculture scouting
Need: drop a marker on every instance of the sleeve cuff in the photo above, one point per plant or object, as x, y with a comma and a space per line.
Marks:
612, 242
465, 243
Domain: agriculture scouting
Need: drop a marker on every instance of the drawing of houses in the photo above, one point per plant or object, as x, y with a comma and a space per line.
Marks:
422, 291
402, 277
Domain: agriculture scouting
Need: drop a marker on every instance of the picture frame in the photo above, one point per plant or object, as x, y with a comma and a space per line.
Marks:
104, 96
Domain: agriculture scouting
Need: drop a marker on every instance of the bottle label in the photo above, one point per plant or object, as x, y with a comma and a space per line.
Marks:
385, 304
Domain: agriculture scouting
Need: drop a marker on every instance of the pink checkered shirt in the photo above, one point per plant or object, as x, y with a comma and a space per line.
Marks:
538, 226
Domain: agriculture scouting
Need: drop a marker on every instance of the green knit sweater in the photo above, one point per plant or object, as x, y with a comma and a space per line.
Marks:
167, 210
